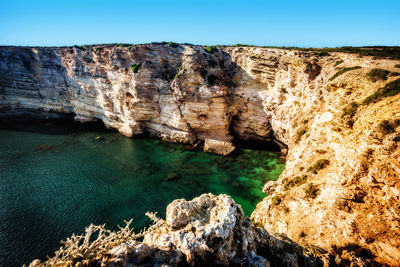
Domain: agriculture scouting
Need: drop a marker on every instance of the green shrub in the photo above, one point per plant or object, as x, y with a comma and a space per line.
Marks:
177, 73
276, 200
386, 127
135, 68
323, 54
337, 63
298, 180
173, 45
344, 70
209, 49
390, 89
311, 191
378, 74
318, 165
373, 98
350, 110
300, 134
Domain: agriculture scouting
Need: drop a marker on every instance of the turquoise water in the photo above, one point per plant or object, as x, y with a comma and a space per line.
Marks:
56, 179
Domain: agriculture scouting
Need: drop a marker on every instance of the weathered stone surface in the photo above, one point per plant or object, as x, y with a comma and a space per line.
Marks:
269, 187
210, 230
218, 146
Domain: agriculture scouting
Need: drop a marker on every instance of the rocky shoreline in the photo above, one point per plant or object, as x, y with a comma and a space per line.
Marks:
337, 115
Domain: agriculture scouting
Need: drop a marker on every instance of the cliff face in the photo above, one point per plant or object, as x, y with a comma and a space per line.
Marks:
340, 190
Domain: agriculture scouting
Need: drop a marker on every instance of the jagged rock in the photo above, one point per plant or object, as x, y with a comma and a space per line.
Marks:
218, 147
210, 230
269, 187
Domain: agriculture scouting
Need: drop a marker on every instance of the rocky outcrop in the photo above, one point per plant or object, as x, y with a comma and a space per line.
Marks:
339, 123
208, 230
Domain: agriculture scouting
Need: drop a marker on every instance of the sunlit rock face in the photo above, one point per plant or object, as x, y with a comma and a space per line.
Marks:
210, 230
340, 189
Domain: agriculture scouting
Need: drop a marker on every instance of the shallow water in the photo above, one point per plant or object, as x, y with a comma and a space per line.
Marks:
56, 179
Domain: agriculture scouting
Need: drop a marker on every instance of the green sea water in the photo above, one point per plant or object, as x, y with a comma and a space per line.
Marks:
56, 179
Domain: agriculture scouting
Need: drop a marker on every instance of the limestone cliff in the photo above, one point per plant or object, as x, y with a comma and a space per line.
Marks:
337, 115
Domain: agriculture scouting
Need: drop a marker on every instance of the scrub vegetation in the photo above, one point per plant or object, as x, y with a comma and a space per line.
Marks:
338, 62
209, 49
386, 127
296, 181
135, 68
311, 190
344, 70
350, 110
390, 89
378, 74
96, 242
300, 134
318, 165
276, 200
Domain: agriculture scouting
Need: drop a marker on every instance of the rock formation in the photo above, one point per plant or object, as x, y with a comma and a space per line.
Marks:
337, 115
208, 230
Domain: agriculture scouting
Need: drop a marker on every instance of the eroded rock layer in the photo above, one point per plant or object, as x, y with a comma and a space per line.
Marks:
337, 115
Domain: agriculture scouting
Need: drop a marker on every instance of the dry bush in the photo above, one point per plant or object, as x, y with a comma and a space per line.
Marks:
86, 249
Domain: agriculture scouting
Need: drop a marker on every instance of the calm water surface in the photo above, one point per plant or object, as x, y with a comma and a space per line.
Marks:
56, 179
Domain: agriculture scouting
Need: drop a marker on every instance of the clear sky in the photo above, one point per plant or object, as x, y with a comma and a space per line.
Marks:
281, 23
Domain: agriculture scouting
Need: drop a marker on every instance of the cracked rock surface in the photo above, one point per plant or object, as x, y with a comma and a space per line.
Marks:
210, 230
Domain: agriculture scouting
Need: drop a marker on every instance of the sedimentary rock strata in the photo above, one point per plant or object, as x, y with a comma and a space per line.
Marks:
339, 123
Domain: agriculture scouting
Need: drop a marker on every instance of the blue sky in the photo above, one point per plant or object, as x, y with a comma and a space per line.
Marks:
281, 23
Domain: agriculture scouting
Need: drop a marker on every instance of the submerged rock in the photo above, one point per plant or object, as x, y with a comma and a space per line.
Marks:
172, 176
43, 148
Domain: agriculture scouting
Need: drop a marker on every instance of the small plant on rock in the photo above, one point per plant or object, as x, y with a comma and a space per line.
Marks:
296, 181
337, 63
300, 134
311, 190
318, 165
350, 110
135, 68
276, 200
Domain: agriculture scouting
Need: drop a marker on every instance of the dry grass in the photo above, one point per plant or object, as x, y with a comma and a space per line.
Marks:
87, 249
